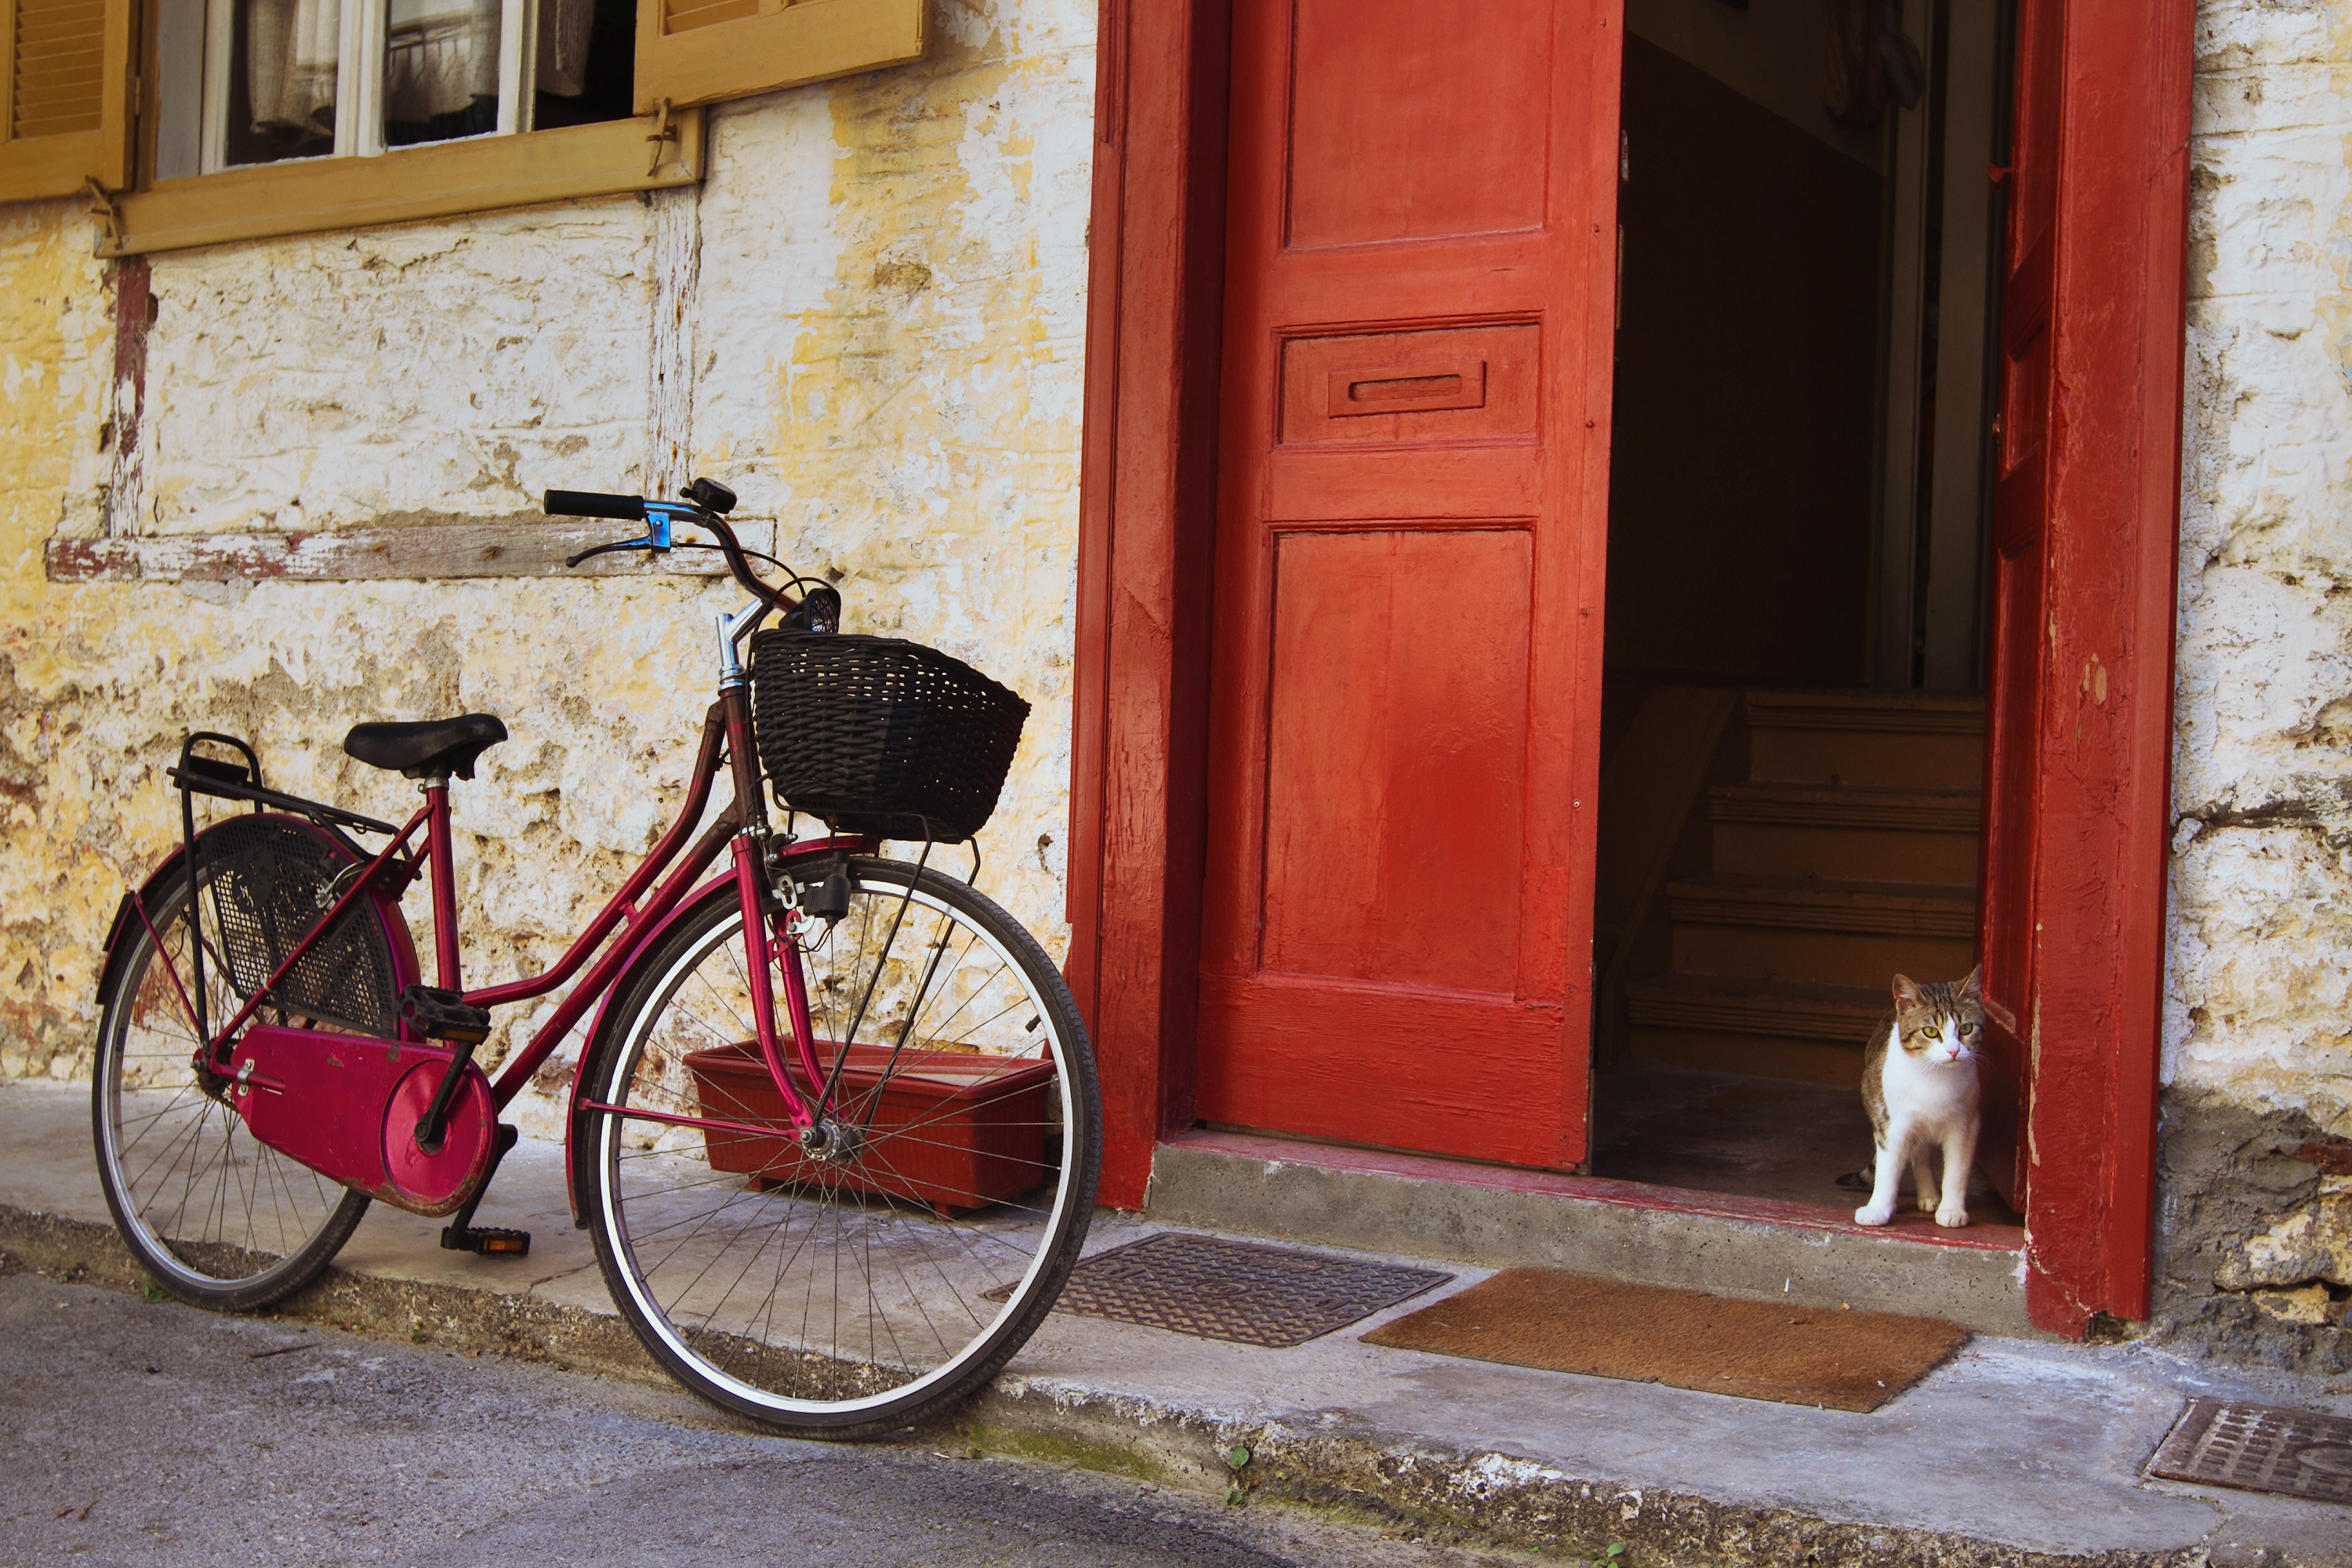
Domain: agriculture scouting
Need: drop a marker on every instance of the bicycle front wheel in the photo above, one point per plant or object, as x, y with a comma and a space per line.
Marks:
848, 1283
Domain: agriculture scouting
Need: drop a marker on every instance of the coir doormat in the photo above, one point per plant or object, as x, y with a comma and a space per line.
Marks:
1644, 1333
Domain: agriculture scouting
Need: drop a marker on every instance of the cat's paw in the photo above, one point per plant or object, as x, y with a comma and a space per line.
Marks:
1871, 1213
1951, 1217
1927, 1203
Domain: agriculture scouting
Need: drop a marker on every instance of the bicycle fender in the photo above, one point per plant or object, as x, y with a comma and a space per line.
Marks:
845, 845
126, 917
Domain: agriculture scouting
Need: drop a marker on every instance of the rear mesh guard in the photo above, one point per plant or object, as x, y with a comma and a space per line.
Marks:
270, 879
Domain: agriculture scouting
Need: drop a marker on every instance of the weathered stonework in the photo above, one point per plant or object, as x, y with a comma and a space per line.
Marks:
876, 303
2258, 1042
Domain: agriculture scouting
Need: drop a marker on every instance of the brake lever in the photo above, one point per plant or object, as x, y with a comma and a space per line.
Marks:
659, 516
647, 544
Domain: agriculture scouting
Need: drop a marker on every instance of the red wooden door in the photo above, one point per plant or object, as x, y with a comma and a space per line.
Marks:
2021, 607
1405, 669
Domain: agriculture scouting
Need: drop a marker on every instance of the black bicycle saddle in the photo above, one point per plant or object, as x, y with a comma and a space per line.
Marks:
428, 747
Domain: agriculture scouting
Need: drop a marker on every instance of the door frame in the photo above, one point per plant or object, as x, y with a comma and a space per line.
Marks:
1147, 516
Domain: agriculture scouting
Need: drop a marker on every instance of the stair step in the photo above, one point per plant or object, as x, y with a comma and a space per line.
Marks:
1867, 712
1805, 805
1808, 1031
1854, 738
1812, 927
1827, 904
1865, 833
1796, 1009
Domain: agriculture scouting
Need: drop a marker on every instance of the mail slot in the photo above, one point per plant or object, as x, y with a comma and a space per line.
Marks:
1425, 383
1408, 389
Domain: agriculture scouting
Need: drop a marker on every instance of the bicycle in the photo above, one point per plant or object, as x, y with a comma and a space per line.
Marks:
834, 1129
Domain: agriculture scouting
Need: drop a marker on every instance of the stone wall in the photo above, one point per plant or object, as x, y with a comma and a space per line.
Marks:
868, 320
2258, 1043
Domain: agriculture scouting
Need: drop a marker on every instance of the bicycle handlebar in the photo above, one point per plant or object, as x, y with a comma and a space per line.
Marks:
593, 503
705, 503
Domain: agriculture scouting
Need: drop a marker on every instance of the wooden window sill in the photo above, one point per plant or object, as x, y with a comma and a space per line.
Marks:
444, 179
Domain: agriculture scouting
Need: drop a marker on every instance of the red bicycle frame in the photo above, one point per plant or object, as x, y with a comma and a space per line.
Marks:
726, 740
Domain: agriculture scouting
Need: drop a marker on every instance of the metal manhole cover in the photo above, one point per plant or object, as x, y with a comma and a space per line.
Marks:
2301, 1453
1218, 1289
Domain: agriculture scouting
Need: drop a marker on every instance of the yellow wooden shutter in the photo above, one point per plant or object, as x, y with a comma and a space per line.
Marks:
698, 51
64, 96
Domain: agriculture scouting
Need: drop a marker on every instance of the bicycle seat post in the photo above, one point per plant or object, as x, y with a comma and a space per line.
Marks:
446, 960
442, 1011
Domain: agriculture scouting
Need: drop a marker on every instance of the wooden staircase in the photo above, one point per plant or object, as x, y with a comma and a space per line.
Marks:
1848, 854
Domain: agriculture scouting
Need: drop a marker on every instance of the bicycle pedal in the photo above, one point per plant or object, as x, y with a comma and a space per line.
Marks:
442, 1015
488, 1240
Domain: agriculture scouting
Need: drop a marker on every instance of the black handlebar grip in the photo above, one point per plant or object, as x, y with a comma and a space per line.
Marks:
592, 503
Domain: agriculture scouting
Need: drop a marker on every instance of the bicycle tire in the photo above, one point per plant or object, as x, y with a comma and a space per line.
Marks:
214, 1217
852, 1297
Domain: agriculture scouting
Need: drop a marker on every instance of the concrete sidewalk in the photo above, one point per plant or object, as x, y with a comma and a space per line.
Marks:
2015, 1452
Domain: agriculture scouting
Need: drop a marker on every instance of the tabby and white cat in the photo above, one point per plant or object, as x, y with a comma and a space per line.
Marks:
1919, 1083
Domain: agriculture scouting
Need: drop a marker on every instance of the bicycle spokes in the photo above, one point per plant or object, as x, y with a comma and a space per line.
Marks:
892, 1245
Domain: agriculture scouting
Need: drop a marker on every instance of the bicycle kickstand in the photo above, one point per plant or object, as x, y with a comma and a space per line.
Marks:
461, 1234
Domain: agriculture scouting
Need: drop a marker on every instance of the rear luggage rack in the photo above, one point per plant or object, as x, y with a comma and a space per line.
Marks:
329, 988
230, 781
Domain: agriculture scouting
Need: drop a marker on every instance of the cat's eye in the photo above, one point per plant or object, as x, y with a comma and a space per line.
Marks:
1967, 1029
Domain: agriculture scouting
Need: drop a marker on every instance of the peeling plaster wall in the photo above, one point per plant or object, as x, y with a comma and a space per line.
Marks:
2257, 1037
877, 299
57, 352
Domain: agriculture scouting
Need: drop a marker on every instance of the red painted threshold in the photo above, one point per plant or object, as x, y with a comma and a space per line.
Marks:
1909, 1225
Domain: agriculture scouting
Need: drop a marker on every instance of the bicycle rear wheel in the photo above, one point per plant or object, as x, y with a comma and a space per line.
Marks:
216, 1217
848, 1290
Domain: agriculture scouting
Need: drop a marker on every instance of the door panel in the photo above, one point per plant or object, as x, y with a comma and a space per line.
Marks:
1405, 655
2005, 901
1411, 121
1385, 698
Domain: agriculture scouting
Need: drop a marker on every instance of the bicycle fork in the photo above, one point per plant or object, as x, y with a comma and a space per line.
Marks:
764, 956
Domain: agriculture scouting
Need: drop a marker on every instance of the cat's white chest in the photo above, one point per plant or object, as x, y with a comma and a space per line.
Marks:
1929, 1094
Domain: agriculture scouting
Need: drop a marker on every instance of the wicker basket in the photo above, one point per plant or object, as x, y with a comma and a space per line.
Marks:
881, 736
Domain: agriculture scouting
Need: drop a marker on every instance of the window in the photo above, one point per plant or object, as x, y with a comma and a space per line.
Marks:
265, 117
242, 82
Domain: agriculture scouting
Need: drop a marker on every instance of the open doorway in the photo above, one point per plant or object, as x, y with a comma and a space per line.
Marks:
1792, 727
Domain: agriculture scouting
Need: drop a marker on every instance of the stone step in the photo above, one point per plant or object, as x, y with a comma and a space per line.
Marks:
1866, 739
1495, 1217
1812, 928
1853, 832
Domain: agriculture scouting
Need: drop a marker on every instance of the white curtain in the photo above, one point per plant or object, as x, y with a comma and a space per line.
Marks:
439, 55
563, 46
289, 63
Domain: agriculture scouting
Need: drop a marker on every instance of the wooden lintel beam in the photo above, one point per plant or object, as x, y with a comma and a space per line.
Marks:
498, 549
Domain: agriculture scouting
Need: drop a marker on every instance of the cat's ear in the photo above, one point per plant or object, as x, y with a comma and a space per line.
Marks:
1973, 987
1906, 992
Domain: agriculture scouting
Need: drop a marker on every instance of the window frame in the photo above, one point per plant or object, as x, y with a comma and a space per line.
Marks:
364, 182
760, 47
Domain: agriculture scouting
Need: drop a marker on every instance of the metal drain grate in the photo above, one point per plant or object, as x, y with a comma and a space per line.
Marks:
1217, 1290
2260, 1447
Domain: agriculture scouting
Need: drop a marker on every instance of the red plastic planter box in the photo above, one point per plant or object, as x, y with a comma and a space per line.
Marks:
981, 1118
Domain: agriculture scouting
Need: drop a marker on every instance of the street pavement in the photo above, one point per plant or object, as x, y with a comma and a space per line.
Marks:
150, 1433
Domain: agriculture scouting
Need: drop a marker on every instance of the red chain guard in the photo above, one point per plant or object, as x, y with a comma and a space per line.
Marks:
347, 1107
